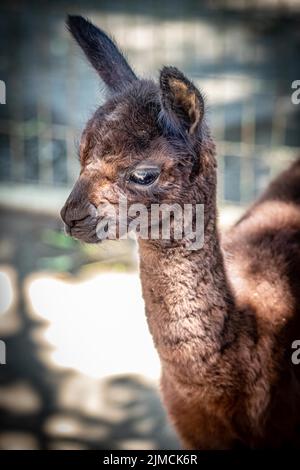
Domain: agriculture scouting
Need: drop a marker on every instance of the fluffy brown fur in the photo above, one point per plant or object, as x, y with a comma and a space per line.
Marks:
223, 317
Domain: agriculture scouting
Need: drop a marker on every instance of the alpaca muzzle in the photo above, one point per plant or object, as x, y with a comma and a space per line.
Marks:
80, 221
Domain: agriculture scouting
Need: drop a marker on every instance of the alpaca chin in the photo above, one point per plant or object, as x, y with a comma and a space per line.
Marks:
84, 235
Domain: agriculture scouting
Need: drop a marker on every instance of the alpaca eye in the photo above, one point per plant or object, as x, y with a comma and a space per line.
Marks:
144, 176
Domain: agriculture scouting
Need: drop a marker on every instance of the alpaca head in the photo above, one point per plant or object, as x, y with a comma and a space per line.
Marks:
148, 142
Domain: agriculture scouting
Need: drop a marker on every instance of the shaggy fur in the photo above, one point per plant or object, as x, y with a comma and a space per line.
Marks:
222, 318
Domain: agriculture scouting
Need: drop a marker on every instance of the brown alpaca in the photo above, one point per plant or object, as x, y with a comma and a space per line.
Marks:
223, 317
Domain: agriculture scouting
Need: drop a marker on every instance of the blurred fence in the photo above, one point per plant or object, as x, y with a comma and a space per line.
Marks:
244, 64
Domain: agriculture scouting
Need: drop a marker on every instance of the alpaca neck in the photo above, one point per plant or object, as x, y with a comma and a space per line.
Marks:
187, 300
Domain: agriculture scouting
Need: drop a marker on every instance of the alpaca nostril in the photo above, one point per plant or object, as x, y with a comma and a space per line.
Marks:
71, 214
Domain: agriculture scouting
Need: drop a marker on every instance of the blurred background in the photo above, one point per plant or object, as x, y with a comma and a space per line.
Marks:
81, 371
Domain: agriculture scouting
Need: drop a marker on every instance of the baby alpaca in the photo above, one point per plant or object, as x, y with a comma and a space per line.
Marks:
223, 317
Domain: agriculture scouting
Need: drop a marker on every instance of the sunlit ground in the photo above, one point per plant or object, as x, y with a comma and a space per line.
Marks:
95, 326
93, 331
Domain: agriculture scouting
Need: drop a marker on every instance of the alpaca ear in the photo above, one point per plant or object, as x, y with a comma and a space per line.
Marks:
182, 103
102, 53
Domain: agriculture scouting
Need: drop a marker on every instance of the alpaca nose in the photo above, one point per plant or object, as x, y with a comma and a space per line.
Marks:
72, 213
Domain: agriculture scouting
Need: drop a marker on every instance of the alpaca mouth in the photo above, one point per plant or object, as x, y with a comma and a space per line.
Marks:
85, 230
84, 236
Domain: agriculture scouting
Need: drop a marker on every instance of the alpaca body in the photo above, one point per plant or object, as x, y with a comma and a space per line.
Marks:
224, 335
224, 317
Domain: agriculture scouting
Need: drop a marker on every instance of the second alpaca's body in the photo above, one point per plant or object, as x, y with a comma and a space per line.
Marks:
224, 317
